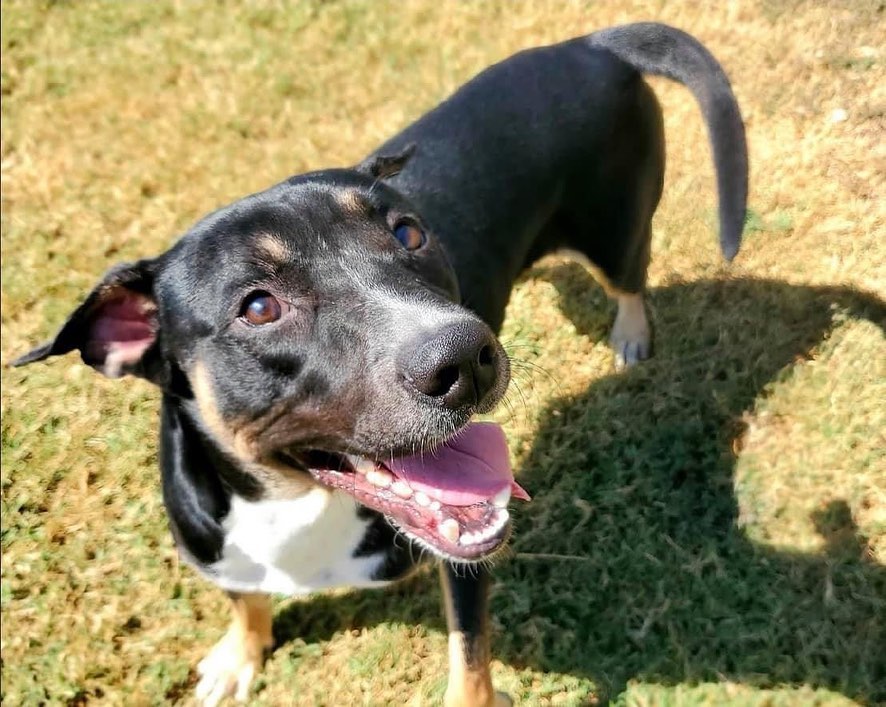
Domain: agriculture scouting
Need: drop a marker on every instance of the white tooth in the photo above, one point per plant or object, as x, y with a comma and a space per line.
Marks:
500, 521
501, 518
379, 477
422, 499
449, 529
401, 488
435, 506
502, 497
363, 466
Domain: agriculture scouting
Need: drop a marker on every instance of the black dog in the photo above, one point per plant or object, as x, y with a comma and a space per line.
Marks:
323, 345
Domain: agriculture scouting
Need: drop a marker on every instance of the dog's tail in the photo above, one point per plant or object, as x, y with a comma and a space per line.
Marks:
655, 48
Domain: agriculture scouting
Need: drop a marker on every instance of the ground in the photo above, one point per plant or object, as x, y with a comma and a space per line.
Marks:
708, 528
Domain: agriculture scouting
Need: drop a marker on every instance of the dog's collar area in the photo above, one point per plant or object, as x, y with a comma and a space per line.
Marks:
450, 501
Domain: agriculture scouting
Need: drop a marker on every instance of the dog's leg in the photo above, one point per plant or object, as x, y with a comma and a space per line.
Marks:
236, 659
631, 337
470, 684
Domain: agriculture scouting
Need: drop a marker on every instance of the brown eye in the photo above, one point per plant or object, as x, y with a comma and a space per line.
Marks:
410, 235
261, 308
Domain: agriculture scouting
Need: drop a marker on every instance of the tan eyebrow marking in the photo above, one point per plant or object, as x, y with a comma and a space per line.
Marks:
273, 247
351, 201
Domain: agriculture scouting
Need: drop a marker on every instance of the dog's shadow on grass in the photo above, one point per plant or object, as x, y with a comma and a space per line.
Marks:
631, 562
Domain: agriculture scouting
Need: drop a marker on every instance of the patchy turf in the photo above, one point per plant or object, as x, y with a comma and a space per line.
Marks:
709, 528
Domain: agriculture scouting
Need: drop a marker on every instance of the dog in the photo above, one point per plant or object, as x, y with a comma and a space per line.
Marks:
323, 345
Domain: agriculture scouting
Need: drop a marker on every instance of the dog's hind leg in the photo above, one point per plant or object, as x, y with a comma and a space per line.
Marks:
606, 217
237, 658
470, 685
631, 335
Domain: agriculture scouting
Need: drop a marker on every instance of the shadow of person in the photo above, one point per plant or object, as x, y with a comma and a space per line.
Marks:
636, 478
632, 561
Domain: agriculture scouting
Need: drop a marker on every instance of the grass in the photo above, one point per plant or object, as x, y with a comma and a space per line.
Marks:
709, 528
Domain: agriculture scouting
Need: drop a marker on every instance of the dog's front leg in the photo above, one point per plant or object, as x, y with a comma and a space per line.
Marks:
465, 592
236, 659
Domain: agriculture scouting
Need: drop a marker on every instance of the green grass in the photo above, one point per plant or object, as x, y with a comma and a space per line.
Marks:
708, 528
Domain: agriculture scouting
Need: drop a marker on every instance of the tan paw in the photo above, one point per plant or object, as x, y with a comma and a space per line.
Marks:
228, 670
631, 338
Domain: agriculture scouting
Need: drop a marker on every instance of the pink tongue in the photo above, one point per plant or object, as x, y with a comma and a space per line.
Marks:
470, 468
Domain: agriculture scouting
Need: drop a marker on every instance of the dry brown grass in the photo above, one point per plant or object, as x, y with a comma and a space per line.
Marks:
124, 122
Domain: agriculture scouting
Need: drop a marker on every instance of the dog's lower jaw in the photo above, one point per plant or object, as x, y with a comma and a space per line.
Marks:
237, 658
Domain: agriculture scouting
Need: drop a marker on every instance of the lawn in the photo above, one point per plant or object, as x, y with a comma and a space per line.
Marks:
708, 528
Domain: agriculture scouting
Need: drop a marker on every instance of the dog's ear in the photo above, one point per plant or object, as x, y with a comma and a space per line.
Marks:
384, 166
116, 328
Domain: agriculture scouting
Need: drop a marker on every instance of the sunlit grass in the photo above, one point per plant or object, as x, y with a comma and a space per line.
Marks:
706, 529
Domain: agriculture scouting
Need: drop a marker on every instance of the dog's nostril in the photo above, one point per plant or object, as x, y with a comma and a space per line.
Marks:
443, 382
456, 365
486, 357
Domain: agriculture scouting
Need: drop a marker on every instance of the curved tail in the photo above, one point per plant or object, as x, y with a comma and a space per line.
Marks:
655, 48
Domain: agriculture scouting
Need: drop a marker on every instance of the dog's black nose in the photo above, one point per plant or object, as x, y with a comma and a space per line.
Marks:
456, 365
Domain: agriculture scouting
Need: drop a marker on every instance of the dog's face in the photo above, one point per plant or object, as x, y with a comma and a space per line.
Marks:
322, 314
314, 332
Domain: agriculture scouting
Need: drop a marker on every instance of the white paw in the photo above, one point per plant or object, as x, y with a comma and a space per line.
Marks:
630, 353
631, 338
228, 670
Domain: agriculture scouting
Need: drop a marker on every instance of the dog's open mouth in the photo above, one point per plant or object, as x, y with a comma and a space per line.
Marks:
453, 500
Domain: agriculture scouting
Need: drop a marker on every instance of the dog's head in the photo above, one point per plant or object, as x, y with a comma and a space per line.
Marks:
314, 333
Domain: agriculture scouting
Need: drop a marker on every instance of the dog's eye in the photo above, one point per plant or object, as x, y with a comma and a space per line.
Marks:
261, 308
410, 235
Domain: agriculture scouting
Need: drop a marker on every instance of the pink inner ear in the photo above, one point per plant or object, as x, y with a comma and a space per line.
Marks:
122, 329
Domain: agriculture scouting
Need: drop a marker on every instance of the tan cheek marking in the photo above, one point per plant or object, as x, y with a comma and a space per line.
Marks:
229, 438
279, 480
273, 247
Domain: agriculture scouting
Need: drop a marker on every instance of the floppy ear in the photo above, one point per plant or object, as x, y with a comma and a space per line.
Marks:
116, 328
384, 166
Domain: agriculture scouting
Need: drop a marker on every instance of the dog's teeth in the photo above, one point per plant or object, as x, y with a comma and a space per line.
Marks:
475, 538
500, 521
490, 531
502, 497
435, 506
364, 466
379, 477
449, 529
422, 499
401, 488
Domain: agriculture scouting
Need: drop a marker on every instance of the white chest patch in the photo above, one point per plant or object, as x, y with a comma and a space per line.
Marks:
294, 546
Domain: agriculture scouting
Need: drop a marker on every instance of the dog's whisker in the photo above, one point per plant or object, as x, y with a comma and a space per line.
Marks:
531, 366
519, 390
